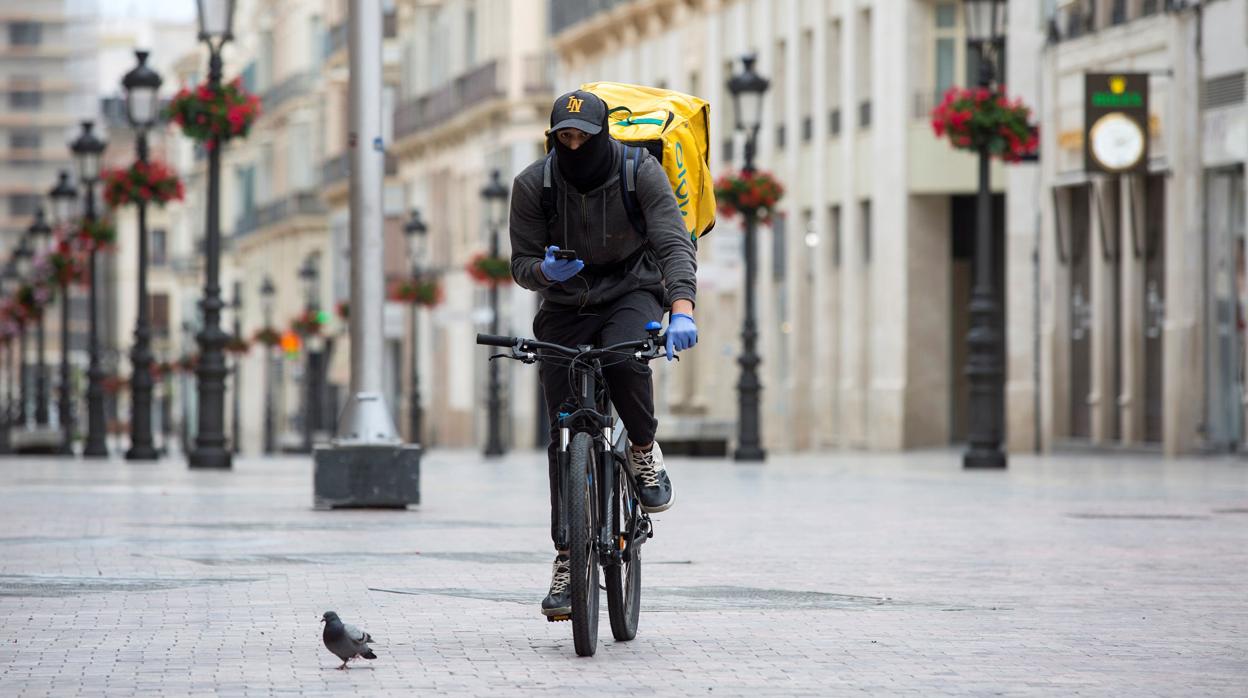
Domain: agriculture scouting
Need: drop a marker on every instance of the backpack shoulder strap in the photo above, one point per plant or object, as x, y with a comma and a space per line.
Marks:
549, 208
629, 165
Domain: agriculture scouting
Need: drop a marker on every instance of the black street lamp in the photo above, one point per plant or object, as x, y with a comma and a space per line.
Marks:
416, 232
986, 408
236, 305
216, 18
87, 149
747, 88
8, 279
267, 294
142, 85
64, 198
40, 235
309, 276
22, 256
495, 195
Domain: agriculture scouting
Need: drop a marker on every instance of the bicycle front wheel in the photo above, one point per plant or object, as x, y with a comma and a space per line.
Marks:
582, 546
624, 580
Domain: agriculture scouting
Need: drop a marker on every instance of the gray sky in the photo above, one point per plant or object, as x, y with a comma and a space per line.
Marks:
183, 10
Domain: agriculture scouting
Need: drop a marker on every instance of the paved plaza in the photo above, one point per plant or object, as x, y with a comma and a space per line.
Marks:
843, 573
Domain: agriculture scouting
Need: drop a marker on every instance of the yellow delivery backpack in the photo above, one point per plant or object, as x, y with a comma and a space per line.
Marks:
675, 128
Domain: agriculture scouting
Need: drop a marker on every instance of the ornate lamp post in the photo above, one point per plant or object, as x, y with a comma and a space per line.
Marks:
64, 198
215, 20
985, 34
267, 293
142, 85
416, 232
40, 235
22, 256
236, 305
747, 88
8, 279
309, 276
495, 195
87, 150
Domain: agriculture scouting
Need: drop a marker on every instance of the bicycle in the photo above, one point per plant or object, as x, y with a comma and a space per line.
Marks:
599, 518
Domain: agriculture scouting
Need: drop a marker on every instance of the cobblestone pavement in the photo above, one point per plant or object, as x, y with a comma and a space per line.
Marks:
836, 574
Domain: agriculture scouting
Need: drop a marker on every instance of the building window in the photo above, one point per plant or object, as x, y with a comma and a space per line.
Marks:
779, 89
948, 39
864, 215
832, 76
779, 257
23, 204
25, 140
834, 223
25, 33
805, 95
160, 247
864, 68
160, 314
25, 100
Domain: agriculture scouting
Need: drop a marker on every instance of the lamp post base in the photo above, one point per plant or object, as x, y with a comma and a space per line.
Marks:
983, 459
749, 454
377, 476
210, 458
142, 453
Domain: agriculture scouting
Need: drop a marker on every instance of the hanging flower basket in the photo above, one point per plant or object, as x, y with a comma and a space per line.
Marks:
755, 192
426, 291
489, 271
214, 115
160, 369
188, 363
66, 266
237, 346
114, 384
978, 117
147, 182
267, 336
97, 235
31, 300
307, 323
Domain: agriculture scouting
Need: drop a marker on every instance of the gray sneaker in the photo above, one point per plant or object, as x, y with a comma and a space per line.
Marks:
559, 601
654, 488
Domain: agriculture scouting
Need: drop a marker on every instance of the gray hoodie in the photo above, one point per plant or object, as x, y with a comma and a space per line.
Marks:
618, 259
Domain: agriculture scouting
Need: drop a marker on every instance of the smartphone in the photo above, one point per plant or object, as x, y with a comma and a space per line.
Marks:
565, 254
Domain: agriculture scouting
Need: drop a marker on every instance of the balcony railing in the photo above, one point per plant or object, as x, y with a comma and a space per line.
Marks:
301, 203
337, 38
430, 109
286, 90
566, 13
338, 168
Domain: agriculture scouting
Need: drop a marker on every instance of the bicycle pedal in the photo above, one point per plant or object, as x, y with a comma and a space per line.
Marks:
556, 619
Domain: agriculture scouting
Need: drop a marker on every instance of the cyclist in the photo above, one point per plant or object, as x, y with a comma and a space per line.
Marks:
619, 280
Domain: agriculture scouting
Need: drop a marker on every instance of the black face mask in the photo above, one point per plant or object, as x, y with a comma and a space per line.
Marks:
587, 167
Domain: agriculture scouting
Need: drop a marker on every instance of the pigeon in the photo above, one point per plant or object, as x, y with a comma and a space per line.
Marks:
345, 641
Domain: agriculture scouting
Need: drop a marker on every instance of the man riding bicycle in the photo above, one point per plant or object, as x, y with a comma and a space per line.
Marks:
618, 280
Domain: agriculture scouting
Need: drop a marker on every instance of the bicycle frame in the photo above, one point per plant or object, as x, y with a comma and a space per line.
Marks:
610, 440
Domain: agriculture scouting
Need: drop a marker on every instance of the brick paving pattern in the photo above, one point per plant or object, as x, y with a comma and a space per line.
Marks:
820, 575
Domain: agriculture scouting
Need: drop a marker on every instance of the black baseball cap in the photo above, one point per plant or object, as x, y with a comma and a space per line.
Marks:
580, 110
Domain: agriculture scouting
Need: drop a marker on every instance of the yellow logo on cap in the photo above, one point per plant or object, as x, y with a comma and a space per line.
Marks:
574, 105
1117, 84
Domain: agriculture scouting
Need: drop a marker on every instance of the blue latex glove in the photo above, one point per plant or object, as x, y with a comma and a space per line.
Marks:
682, 333
560, 270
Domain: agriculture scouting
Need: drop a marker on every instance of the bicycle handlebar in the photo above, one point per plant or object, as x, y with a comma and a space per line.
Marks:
495, 340
649, 348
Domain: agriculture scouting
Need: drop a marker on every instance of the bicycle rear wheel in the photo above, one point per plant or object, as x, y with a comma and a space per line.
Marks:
624, 580
582, 546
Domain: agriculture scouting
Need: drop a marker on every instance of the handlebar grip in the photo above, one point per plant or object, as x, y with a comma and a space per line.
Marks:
493, 340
